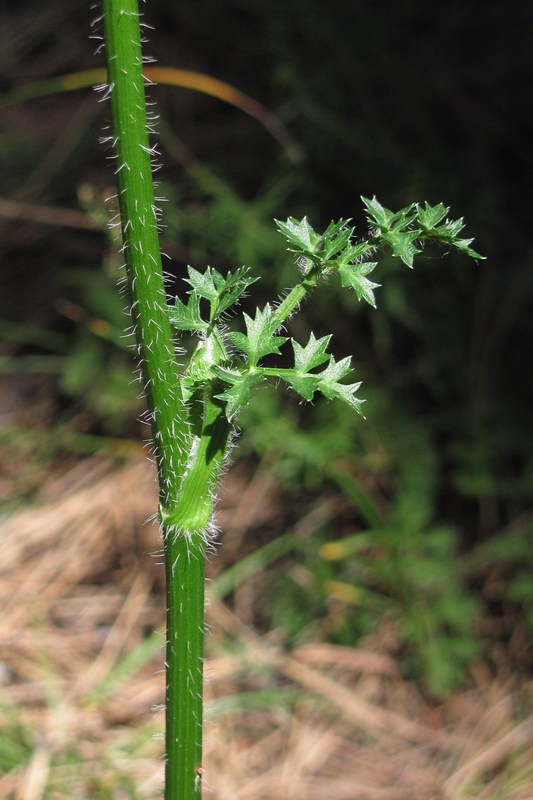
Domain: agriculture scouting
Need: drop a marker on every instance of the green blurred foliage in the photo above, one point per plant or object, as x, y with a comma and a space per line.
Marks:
394, 560
98, 372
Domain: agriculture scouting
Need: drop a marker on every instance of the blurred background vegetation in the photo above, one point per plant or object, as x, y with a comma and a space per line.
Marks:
427, 532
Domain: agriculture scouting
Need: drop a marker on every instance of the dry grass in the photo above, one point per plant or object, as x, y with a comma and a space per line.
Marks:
81, 673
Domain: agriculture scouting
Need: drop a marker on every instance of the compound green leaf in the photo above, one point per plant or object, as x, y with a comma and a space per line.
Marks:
203, 283
377, 214
305, 384
463, 246
403, 246
186, 316
260, 339
336, 239
237, 395
327, 382
353, 275
222, 291
345, 392
312, 355
300, 234
430, 216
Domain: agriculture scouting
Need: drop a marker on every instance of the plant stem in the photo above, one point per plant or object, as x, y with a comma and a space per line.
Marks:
141, 243
184, 562
185, 476
291, 302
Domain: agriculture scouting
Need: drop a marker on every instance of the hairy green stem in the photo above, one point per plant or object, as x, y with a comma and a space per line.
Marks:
184, 561
185, 476
193, 512
185, 543
290, 303
141, 243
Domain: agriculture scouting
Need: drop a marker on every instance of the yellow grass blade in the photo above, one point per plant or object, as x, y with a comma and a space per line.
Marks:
168, 76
